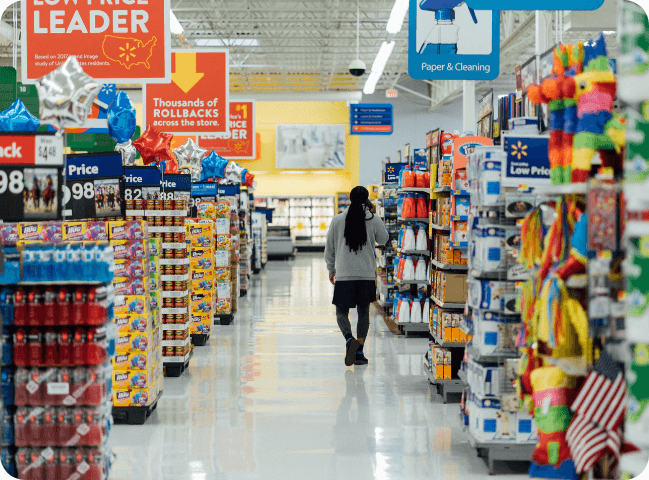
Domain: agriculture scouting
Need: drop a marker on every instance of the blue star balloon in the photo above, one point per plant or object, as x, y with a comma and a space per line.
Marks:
18, 119
243, 175
121, 118
209, 167
221, 165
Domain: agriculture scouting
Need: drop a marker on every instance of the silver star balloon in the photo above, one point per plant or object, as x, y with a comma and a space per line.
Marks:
233, 173
128, 151
66, 94
190, 157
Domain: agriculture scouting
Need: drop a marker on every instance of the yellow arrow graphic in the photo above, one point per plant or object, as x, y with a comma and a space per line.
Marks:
185, 75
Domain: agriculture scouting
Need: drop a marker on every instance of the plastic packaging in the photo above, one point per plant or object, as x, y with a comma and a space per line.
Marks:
408, 273
422, 207
409, 207
409, 239
415, 312
421, 272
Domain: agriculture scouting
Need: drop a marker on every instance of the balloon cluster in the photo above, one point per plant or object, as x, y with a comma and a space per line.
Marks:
190, 157
18, 119
121, 126
213, 167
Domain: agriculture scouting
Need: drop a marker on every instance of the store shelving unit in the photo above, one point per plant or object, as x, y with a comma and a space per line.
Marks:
408, 328
308, 216
444, 387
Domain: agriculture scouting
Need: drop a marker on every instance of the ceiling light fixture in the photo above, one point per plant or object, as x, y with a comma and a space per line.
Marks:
397, 17
294, 172
174, 25
227, 42
323, 172
378, 66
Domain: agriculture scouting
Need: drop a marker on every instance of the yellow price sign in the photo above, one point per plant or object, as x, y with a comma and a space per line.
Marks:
323, 226
300, 225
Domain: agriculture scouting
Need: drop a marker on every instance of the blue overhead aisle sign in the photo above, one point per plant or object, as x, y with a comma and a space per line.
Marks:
371, 119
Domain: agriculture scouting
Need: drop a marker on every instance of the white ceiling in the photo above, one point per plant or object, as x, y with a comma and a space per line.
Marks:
306, 46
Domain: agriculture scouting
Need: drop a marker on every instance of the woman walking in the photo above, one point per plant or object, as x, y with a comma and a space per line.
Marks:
351, 262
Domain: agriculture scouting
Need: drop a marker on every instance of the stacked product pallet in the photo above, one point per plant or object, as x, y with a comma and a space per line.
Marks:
137, 366
56, 306
226, 259
200, 237
165, 220
385, 254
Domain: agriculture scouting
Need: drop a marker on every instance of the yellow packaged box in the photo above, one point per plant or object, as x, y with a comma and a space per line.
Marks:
128, 230
155, 300
136, 360
136, 397
222, 210
222, 275
137, 341
200, 324
132, 304
155, 248
200, 258
223, 306
132, 267
200, 234
135, 323
124, 379
223, 242
200, 303
131, 286
206, 210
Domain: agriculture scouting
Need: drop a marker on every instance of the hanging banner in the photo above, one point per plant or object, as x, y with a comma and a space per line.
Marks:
196, 102
371, 119
116, 42
241, 142
448, 40
93, 186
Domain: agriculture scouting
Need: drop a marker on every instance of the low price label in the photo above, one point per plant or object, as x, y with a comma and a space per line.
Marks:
142, 183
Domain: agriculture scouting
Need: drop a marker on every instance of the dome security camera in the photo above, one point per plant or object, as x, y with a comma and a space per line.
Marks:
357, 68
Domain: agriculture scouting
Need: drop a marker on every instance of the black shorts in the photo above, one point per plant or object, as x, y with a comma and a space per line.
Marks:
352, 293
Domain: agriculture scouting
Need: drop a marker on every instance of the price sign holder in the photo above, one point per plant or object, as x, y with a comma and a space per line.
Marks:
202, 192
31, 176
142, 183
94, 186
176, 186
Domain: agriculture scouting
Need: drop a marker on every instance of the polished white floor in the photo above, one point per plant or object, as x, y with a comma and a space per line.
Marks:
269, 397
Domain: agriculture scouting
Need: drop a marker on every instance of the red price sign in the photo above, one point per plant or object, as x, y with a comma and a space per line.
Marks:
240, 143
120, 42
196, 101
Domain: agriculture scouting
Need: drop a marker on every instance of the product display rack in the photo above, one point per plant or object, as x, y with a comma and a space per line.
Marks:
342, 201
387, 210
308, 216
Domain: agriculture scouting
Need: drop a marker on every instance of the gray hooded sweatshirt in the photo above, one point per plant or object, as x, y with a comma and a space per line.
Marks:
347, 264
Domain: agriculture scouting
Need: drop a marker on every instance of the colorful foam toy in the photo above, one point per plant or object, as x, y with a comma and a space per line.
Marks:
575, 62
599, 129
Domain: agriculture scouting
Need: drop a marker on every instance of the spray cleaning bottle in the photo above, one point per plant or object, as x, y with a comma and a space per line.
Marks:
443, 37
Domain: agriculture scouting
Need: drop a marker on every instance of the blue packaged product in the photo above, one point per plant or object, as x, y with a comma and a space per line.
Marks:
88, 261
7, 306
45, 260
30, 263
11, 272
60, 264
102, 263
7, 347
7, 436
7, 385
75, 265
8, 462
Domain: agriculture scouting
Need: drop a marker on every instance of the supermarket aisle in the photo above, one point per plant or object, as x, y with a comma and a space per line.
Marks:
270, 398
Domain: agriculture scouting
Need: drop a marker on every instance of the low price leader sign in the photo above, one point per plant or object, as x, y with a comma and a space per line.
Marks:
240, 142
125, 41
196, 101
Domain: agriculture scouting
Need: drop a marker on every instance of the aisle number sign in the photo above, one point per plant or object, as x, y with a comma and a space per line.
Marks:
240, 142
120, 42
196, 102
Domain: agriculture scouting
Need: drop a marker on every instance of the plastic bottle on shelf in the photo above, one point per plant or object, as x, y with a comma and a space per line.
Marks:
404, 311
421, 243
422, 207
415, 312
408, 177
409, 242
421, 270
409, 208
425, 314
408, 269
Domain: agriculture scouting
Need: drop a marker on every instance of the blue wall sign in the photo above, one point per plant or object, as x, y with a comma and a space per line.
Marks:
371, 119
204, 189
448, 40
142, 176
527, 160
176, 182
392, 171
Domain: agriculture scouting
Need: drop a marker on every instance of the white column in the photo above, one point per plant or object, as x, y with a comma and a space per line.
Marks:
468, 106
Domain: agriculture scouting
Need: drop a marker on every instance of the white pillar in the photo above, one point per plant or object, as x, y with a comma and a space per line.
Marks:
468, 106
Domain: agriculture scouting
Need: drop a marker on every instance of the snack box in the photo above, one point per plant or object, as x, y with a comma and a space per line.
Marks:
135, 323
224, 242
128, 230
138, 341
154, 264
223, 291
201, 258
206, 210
204, 285
130, 249
9, 233
136, 397
136, 360
132, 304
154, 278
223, 306
222, 275
132, 268
222, 210
200, 324
222, 226
200, 234
155, 299
201, 303
41, 232
124, 379
221, 259
132, 286
155, 246
462, 205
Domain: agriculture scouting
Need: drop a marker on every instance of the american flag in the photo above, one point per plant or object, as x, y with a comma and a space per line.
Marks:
599, 412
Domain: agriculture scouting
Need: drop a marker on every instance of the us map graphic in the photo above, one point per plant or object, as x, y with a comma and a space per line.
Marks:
128, 51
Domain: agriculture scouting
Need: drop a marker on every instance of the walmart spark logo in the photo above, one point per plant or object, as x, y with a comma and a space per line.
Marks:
390, 169
127, 52
519, 150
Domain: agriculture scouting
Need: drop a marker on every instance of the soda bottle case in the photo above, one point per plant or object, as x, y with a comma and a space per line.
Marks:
62, 386
81, 463
62, 426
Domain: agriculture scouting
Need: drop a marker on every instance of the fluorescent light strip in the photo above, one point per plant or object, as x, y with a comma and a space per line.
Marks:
397, 16
294, 172
175, 26
378, 66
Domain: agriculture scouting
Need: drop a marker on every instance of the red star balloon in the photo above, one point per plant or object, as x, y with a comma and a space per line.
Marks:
172, 166
249, 179
154, 146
